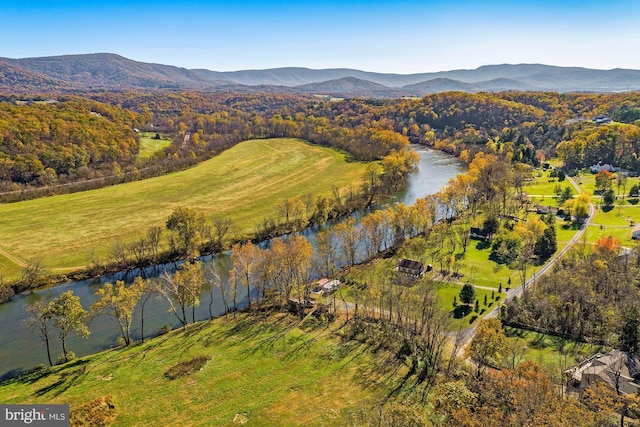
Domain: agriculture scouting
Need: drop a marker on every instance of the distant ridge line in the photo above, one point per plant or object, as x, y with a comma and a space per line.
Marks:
109, 71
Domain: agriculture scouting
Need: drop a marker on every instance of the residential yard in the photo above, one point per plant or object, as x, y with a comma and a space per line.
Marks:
554, 353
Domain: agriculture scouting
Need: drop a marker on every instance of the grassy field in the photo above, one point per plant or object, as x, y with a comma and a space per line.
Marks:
149, 145
264, 371
555, 353
245, 183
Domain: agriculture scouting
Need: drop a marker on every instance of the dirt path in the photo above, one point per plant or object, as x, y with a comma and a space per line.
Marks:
13, 259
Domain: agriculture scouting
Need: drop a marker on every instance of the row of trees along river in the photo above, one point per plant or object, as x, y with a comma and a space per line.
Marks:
21, 350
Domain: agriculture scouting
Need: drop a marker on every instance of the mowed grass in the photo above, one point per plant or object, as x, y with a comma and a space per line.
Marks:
245, 184
264, 370
149, 145
554, 353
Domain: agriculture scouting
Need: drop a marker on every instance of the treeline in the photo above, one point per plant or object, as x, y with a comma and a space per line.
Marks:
529, 125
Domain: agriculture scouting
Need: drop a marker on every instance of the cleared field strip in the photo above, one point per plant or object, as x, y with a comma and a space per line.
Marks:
245, 183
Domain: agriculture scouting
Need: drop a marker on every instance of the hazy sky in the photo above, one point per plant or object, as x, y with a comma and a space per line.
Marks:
384, 36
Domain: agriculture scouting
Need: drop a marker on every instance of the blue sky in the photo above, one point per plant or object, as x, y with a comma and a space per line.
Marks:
384, 36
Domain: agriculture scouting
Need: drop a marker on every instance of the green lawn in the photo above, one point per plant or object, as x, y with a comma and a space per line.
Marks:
245, 183
267, 371
463, 317
554, 353
544, 186
149, 145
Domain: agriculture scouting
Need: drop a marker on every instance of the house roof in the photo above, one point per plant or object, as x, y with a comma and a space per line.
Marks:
610, 367
410, 264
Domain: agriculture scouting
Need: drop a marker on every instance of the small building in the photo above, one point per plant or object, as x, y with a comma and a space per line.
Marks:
410, 267
635, 234
330, 287
478, 233
618, 369
601, 120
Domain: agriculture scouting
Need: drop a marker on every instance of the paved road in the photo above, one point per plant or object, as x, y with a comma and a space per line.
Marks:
464, 336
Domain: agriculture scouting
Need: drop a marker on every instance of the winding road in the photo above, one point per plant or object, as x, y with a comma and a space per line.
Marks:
464, 336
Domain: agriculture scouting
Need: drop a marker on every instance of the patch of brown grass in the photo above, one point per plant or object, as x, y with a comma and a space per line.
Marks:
187, 368
100, 412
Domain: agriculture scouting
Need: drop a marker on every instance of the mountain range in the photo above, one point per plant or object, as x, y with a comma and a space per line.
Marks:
105, 71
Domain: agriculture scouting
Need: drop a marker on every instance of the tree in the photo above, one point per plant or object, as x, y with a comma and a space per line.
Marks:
118, 302
31, 273
68, 316
146, 289
630, 330
245, 259
183, 290
467, 294
566, 194
39, 321
186, 222
349, 236
608, 197
487, 342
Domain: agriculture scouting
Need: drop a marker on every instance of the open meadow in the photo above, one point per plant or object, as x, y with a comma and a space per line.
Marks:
245, 183
264, 371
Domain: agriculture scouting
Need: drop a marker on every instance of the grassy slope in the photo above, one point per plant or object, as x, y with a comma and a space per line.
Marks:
271, 371
245, 183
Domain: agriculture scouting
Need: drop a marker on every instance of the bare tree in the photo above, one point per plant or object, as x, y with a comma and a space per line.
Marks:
39, 321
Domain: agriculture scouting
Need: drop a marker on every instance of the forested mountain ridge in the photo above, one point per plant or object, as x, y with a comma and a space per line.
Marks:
113, 72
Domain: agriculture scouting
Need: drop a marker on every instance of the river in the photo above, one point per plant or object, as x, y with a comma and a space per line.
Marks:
21, 350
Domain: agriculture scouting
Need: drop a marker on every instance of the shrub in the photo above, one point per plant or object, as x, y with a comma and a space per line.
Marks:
61, 359
164, 329
98, 412
186, 368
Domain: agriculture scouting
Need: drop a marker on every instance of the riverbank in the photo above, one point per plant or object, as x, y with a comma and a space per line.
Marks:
21, 350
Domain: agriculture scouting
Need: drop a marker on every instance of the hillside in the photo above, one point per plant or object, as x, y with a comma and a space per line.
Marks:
113, 72
267, 371
244, 183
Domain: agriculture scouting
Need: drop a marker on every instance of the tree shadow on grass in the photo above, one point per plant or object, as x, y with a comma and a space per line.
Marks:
461, 311
69, 377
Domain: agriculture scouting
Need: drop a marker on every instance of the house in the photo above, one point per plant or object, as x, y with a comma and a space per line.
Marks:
478, 233
601, 120
618, 369
607, 167
635, 234
410, 267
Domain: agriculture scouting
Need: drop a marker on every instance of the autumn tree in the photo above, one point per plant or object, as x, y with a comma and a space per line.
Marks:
487, 342
246, 259
183, 290
186, 222
118, 302
349, 236
68, 317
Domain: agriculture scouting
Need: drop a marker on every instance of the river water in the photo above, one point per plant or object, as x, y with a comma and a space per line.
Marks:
21, 350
